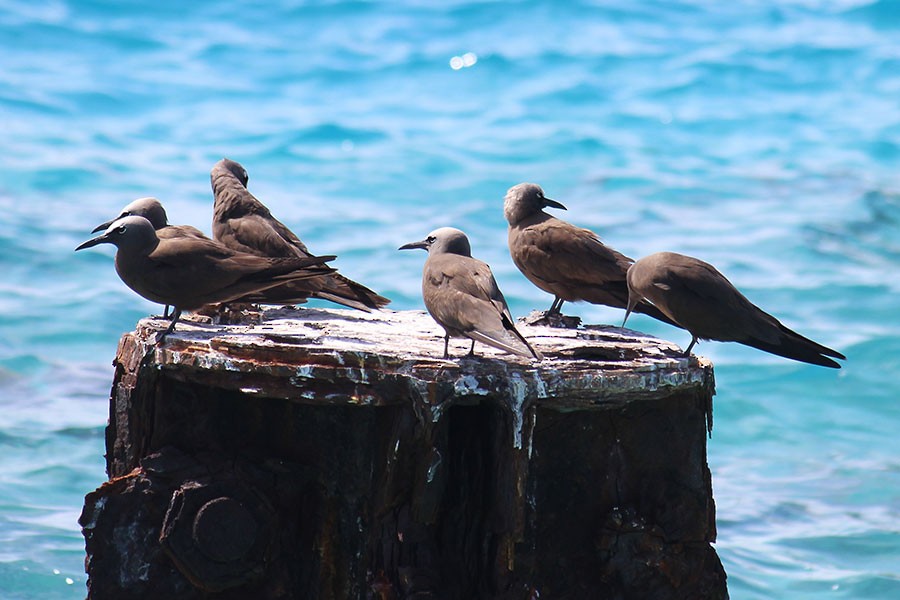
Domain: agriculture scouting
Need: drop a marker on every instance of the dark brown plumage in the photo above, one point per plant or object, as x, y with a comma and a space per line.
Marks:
700, 299
189, 272
461, 294
564, 260
152, 209
243, 223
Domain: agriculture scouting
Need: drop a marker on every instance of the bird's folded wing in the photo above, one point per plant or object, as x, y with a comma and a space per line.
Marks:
257, 235
714, 303
558, 251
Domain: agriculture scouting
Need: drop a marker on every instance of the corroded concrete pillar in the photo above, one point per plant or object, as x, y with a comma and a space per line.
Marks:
332, 454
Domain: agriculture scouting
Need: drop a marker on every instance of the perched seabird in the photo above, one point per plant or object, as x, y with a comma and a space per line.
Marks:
461, 294
152, 209
243, 223
188, 272
700, 299
564, 260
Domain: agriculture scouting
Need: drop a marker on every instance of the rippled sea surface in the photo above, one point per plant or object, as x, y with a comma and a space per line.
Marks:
761, 137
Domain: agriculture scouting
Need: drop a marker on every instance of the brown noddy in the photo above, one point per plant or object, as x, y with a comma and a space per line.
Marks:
243, 223
152, 209
700, 299
461, 294
188, 272
564, 260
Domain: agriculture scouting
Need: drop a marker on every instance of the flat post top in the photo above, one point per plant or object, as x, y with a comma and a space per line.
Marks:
340, 356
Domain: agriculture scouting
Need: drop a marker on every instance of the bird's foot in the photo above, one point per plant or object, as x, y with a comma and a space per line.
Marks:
161, 338
551, 319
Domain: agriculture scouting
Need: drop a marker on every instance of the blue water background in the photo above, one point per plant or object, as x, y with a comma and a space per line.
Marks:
761, 137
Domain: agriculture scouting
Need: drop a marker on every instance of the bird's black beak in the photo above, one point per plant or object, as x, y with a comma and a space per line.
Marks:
103, 226
553, 203
100, 239
423, 245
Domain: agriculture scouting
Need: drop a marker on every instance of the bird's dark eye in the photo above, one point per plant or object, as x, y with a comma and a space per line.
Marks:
430, 239
121, 229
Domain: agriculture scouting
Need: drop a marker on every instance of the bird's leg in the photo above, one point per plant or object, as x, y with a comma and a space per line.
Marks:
632, 302
556, 307
446, 343
472, 349
691, 345
166, 312
175, 316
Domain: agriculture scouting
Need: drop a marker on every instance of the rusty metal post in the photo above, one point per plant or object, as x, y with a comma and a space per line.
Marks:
332, 454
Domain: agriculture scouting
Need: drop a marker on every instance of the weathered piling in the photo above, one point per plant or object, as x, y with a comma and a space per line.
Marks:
333, 454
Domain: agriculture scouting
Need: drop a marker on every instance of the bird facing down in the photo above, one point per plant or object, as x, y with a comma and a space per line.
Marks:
461, 294
564, 260
189, 272
700, 299
243, 223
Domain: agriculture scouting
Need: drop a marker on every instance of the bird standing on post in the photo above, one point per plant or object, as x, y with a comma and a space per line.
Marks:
243, 223
152, 210
564, 260
700, 299
189, 272
461, 294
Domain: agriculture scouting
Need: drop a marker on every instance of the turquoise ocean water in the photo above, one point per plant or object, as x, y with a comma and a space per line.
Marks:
763, 137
